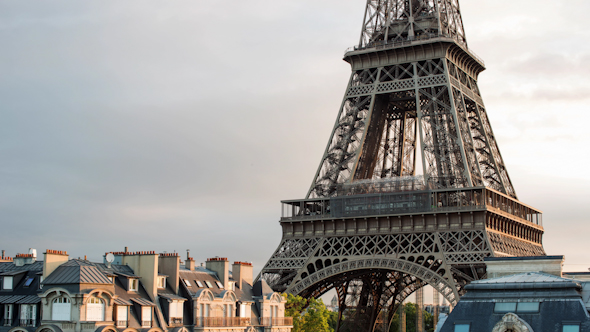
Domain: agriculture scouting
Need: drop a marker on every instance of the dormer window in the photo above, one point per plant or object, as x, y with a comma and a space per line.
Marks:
133, 285
220, 285
7, 282
209, 285
112, 279
161, 282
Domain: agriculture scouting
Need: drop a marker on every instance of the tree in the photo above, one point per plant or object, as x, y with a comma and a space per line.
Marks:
308, 315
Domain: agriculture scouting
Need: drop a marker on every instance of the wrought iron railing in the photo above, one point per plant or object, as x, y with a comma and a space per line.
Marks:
276, 321
27, 322
121, 323
222, 321
7, 321
371, 203
146, 323
176, 321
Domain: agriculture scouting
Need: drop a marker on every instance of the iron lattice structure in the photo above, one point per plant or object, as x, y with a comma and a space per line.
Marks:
372, 228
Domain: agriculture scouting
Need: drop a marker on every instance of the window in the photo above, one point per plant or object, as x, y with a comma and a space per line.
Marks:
121, 316
95, 310
505, 307
133, 285
527, 307
7, 282
219, 284
8, 313
28, 314
208, 283
161, 282
186, 282
61, 309
571, 328
112, 279
200, 284
146, 316
461, 327
28, 282
176, 309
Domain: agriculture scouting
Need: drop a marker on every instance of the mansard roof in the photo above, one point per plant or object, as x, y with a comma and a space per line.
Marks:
77, 271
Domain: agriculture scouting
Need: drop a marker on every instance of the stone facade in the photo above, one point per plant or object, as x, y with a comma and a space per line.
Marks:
134, 292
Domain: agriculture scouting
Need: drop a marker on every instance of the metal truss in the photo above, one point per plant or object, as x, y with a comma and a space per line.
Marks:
387, 110
395, 21
371, 227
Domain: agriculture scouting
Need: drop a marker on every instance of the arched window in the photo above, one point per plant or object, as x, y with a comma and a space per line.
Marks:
95, 310
61, 309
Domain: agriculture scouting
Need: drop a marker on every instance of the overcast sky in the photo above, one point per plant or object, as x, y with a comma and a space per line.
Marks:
174, 125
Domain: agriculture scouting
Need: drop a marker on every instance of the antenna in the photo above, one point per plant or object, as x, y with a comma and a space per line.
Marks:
110, 258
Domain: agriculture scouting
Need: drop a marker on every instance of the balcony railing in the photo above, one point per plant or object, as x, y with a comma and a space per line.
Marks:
379, 203
7, 322
27, 322
222, 321
176, 321
276, 321
146, 323
121, 323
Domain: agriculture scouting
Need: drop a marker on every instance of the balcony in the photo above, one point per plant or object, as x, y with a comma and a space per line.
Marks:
146, 323
222, 321
27, 322
121, 323
276, 321
7, 322
175, 321
371, 200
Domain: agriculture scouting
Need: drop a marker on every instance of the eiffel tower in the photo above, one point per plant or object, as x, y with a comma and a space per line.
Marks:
375, 226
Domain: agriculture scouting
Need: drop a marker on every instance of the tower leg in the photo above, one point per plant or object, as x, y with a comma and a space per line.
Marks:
420, 310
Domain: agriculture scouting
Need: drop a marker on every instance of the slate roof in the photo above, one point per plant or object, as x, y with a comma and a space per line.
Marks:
261, 288
559, 300
201, 274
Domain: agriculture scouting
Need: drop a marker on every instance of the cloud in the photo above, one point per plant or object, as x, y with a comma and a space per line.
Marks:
174, 125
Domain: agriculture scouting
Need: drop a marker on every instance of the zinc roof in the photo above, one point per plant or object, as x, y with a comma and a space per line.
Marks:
120, 301
10, 266
76, 274
19, 299
529, 277
143, 302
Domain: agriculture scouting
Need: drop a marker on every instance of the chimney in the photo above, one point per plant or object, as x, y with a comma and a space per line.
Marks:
189, 264
52, 259
5, 258
242, 272
169, 264
26, 259
220, 265
144, 264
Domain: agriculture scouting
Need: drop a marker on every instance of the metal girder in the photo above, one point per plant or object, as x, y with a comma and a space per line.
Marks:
370, 227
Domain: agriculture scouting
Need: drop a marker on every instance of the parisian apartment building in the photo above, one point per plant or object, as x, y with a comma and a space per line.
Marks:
135, 292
